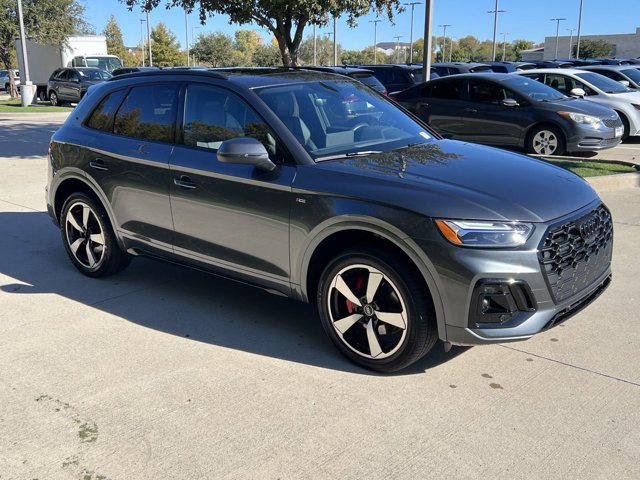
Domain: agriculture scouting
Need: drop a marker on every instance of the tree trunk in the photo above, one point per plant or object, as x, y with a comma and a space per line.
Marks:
13, 91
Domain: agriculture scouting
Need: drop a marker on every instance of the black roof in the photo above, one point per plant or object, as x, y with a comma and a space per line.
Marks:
485, 75
248, 77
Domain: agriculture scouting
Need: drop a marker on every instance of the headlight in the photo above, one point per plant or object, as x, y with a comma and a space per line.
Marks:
581, 118
471, 233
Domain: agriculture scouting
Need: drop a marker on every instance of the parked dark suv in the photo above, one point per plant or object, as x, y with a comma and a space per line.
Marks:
70, 84
396, 78
398, 236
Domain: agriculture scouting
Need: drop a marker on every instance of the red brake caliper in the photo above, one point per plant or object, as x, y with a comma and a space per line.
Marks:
359, 284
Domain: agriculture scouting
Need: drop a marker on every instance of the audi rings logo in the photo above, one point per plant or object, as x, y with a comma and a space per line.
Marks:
589, 229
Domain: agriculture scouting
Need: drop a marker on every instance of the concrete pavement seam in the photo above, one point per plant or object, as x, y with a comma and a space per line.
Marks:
23, 206
584, 369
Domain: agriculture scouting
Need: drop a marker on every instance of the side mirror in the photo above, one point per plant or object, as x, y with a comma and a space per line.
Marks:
626, 83
577, 92
510, 102
247, 151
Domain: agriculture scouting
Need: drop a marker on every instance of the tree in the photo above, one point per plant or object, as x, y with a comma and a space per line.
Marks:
115, 44
267, 56
49, 21
246, 43
215, 49
286, 20
517, 46
165, 49
594, 48
324, 50
354, 57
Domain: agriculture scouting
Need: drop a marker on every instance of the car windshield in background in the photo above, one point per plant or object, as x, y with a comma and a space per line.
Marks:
90, 74
603, 83
338, 118
416, 74
105, 63
633, 74
534, 89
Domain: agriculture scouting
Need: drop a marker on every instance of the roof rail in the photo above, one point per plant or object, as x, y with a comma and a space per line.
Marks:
171, 71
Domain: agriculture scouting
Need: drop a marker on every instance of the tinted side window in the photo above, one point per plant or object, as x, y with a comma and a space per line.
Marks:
149, 113
611, 74
486, 92
213, 115
447, 90
62, 75
101, 117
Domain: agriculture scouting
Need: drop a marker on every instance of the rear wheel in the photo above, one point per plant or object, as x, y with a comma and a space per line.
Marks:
53, 98
89, 239
546, 140
375, 310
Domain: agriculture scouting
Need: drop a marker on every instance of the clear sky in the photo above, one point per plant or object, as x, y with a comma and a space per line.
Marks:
529, 19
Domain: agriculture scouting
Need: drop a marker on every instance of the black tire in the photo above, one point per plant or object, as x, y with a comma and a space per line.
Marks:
113, 259
421, 327
626, 126
54, 99
561, 144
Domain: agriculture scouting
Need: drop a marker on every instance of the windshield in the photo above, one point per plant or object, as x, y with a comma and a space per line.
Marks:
90, 74
533, 89
603, 83
633, 74
105, 63
341, 118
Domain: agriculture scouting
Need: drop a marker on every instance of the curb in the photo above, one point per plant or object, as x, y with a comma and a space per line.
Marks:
620, 181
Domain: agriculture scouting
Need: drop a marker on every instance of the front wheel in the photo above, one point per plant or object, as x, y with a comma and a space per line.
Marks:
53, 98
89, 239
546, 140
375, 310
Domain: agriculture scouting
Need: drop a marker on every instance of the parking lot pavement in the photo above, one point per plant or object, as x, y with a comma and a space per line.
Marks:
629, 151
163, 372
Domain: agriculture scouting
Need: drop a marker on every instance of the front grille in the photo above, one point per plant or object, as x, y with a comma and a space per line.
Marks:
576, 254
612, 122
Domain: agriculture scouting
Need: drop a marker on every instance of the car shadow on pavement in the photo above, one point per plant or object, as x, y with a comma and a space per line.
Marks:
25, 139
171, 299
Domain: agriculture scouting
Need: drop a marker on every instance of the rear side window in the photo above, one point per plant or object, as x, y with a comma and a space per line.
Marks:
148, 113
486, 92
101, 117
447, 90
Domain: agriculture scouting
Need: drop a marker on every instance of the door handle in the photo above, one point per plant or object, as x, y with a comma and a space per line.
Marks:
184, 182
471, 110
98, 164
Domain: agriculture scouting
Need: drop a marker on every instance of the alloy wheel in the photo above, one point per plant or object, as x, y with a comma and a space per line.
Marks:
53, 98
367, 311
545, 142
85, 236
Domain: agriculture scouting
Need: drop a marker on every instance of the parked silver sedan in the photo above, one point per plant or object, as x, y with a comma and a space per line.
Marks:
628, 75
4, 79
596, 88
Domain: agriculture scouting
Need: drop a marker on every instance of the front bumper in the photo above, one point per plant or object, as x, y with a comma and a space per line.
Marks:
461, 270
584, 138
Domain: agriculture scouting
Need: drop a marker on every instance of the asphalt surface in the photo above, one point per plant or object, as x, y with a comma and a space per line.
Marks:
163, 372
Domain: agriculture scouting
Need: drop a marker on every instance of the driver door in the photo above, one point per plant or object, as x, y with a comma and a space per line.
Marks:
229, 216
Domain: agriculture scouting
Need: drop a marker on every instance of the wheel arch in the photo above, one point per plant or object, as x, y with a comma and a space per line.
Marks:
78, 182
328, 240
543, 123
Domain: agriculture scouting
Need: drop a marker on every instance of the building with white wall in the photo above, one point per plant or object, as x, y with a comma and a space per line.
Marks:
625, 45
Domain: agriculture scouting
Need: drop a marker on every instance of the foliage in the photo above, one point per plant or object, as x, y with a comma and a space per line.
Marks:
286, 20
165, 49
115, 43
267, 56
215, 49
44, 20
324, 50
594, 48
517, 46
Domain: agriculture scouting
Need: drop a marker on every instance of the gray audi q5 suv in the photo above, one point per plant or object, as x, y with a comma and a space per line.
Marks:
270, 177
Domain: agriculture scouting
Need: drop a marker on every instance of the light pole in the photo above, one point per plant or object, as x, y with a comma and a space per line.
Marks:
335, 41
504, 46
142, 20
27, 89
426, 54
450, 48
375, 39
398, 37
186, 33
571, 30
149, 38
444, 41
412, 5
495, 12
557, 20
579, 31
315, 47
193, 41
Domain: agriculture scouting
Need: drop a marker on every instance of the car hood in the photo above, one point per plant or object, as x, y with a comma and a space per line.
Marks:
451, 179
578, 106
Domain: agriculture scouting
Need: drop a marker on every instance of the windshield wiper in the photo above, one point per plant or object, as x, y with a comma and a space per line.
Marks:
348, 155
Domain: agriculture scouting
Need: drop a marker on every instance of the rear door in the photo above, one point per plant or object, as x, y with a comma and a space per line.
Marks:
441, 103
62, 84
130, 160
487, 120
229, 216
